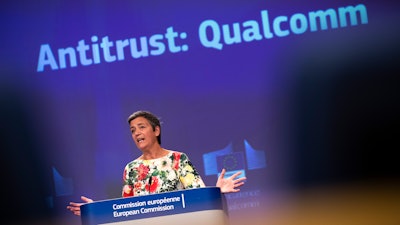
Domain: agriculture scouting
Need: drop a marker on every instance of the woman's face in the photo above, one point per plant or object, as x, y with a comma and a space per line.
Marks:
142, 133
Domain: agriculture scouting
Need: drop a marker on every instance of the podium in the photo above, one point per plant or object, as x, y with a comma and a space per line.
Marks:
197, 206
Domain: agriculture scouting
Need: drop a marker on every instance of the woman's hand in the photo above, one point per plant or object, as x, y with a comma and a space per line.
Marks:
230, 184
75, 207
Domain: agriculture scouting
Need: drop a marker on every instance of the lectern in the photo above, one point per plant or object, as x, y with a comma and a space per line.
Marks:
197, 206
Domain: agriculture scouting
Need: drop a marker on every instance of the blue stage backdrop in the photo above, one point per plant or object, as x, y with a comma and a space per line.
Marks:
293, 94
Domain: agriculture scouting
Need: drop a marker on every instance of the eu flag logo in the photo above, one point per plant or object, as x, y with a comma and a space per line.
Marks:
232, 162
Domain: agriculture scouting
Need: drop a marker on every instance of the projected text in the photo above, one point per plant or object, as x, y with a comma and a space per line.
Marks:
211, 34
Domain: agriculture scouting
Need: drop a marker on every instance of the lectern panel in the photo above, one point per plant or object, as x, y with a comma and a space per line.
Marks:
191, 206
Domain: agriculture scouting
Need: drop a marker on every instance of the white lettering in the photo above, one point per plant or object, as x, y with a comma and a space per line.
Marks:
211, 35
46, 58
215, 34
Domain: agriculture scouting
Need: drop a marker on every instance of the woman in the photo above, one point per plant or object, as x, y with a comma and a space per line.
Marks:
158, 169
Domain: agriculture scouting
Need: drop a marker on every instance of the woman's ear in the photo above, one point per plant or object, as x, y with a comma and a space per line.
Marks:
157, 131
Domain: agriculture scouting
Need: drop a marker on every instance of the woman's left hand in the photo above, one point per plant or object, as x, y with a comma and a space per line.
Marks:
230, 184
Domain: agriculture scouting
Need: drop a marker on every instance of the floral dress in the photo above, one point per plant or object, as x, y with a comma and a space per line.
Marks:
169, 173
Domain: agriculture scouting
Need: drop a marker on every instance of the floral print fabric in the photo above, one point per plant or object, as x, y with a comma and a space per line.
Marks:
169, 173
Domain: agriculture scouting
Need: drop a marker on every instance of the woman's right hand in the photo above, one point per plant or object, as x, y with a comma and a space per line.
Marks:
75, 207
